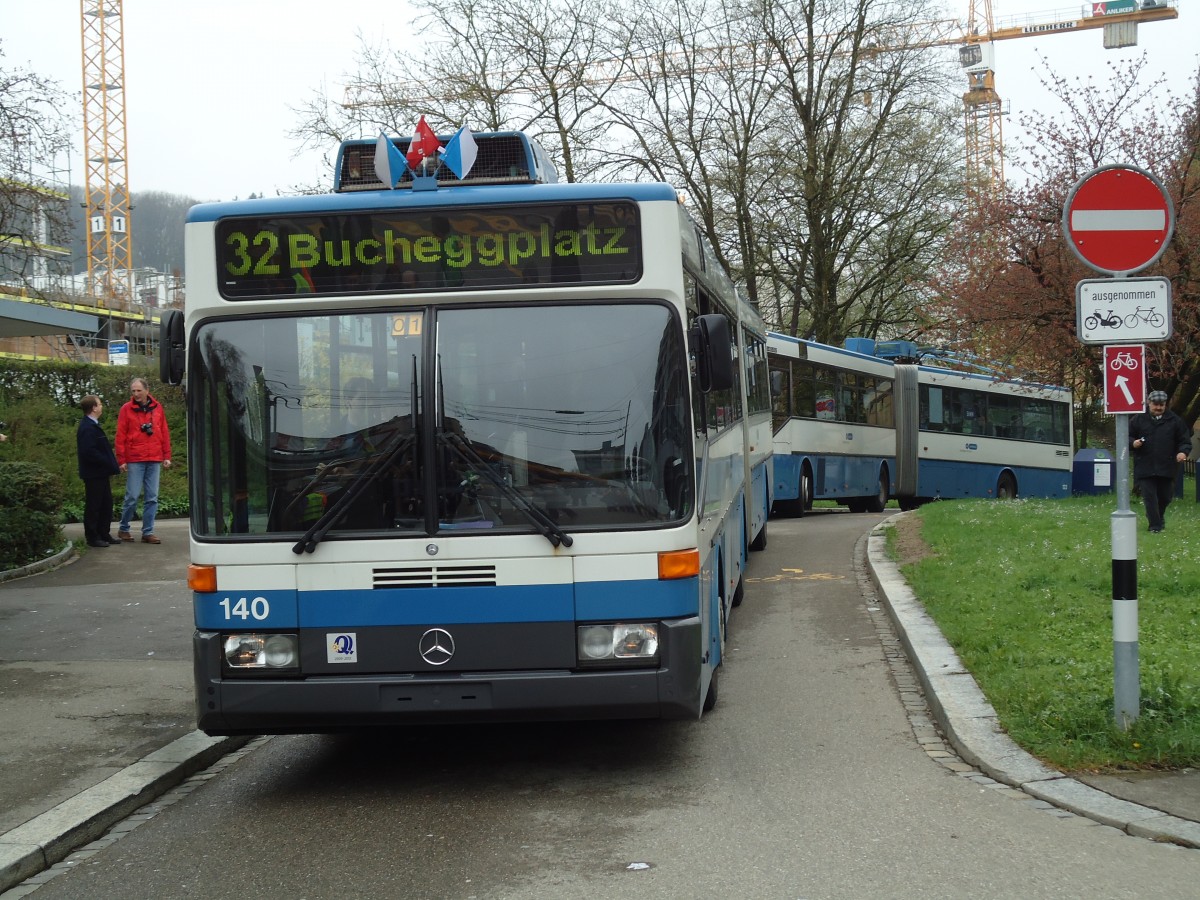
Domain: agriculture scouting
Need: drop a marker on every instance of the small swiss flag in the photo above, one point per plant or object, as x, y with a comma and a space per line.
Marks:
424, 145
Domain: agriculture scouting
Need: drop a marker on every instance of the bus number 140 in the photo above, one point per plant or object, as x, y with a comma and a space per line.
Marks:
243, 609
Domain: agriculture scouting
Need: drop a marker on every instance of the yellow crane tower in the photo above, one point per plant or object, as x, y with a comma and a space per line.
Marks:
982, 107
110, 260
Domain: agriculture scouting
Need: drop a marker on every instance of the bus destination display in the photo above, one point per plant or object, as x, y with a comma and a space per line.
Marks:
420, 250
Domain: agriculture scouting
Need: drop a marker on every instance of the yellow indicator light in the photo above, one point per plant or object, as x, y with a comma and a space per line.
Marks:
202, 579
678, 564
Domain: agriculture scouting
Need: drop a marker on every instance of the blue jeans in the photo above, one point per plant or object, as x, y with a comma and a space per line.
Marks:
141, 476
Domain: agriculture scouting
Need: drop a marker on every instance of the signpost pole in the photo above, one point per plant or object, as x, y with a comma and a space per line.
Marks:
1126, 671
1118, 220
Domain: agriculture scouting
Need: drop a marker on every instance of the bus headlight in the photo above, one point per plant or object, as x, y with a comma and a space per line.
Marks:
621, 643
262, 651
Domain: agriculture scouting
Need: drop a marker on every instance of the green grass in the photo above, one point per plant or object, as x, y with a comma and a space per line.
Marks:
1023, 592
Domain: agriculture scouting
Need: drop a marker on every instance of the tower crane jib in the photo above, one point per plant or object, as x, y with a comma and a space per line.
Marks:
982, 106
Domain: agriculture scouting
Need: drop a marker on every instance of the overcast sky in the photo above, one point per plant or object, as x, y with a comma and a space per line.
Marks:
210, 85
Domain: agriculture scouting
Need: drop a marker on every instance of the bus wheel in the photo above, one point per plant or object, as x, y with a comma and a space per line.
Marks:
1006, 487
879, 501
760, 539
788, 509
794, 509
739, 592
710, 699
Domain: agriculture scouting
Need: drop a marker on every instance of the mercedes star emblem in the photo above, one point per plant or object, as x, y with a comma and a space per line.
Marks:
436, 646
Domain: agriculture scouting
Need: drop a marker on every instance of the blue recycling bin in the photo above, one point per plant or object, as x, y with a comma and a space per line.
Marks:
1093, 472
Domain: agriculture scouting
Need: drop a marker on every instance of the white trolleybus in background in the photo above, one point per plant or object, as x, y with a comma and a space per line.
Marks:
855, 426
479, 449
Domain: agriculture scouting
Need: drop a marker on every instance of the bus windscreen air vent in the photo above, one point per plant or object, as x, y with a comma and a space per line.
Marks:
434, 576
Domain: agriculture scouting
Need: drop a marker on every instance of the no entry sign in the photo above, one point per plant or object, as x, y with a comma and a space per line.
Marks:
1118, 219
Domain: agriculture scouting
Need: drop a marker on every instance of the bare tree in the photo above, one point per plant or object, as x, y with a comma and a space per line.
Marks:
863, 165
541, 68
809, 137
690, 110
34, 214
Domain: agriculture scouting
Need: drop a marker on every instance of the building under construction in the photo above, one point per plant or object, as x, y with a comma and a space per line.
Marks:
46, 310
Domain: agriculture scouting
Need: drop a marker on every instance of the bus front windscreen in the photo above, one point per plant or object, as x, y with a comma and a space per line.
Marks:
576, 413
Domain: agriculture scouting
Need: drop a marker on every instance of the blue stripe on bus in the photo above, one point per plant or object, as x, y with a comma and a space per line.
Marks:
626, 600
606, 600
835, 475
440, 606
787, 477
252, 610
465, 197
956, 479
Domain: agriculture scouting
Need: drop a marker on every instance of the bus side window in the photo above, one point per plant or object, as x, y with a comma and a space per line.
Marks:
879, 409
933, 416
804, 398
780, 397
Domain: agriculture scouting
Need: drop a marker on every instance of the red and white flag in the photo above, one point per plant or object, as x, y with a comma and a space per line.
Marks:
424, 145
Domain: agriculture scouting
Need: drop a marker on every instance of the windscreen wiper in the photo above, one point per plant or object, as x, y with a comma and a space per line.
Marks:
333, 515
546, 526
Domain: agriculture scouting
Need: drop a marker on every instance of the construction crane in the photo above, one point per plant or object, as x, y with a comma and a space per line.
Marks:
110, 260
982, 107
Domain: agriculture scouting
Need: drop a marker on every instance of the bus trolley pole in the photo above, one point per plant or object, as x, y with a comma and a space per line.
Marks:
1126, 676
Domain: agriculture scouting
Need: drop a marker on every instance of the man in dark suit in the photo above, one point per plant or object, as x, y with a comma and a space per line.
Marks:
97, 466
1160, 440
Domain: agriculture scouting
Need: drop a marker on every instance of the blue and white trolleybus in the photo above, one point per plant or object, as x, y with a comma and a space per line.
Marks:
859, 428
478, 449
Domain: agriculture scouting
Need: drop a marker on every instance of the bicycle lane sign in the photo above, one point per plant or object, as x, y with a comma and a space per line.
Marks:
1124, 378
1116, 310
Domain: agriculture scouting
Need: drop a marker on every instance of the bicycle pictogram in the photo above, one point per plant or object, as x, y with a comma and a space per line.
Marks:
1151, 317
1123, 360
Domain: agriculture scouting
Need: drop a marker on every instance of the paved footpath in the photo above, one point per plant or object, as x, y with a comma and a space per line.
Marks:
95, 695
96, 701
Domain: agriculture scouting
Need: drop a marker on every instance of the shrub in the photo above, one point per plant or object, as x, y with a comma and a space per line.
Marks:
31, 501
30, 486
40, 403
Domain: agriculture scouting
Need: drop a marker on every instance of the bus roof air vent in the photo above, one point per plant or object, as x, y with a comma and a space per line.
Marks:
504, 157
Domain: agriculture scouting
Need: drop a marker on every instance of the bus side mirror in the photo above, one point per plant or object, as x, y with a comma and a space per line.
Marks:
171, 347
714, 353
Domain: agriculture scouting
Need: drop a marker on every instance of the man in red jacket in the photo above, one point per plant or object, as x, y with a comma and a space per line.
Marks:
143, 447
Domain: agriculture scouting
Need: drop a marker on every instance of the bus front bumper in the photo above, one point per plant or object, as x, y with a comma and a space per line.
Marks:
330, 703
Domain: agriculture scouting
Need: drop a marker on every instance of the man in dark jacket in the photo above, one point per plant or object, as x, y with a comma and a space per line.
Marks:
1160, 442
97, 466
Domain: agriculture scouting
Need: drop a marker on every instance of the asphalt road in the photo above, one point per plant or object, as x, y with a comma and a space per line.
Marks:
807, 781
